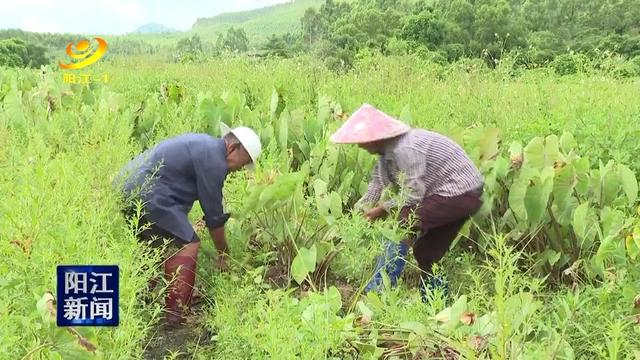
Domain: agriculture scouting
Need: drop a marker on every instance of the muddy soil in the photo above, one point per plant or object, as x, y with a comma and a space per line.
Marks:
181, 341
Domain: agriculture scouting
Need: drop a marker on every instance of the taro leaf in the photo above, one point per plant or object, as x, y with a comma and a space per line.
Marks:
324, 248
266, 195
450, 317
345, 184
415, 327
515, 149
563, 185
309, 127
518, 191
327, 169
564, 214
485, 325
333, 298
320, 187
534, 153
581, 167
610, 182
629, 183
284, 188
540, 152
324, 108
295, 124
326, 204
405, 115
249, 117
283, 129
583, 226
519, 307
324, 114
632, 248
209, 109
595, 267
500, 167
567, 142
275, 99
374, 300
416, 336
488, 144
336, 204
595, 184
612, 222
304, 263
537, 197
551, 150
364, 310
550, 256
251, 201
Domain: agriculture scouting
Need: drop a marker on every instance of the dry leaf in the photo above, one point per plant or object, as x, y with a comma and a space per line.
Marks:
442, 317
24, 245
468, 318
516, 161
50, 307
82, 341
50, 304
478, 343
363, 320
636, 302
199, 225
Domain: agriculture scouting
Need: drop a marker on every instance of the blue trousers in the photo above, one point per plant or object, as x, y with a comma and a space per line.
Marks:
392, 262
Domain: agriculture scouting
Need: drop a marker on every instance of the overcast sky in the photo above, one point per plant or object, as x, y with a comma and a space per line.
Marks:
113, 16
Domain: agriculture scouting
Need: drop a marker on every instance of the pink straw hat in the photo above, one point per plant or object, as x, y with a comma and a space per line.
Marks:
368, 124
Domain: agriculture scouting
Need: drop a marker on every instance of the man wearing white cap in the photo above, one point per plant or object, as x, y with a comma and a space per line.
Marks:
444, 188
168, 179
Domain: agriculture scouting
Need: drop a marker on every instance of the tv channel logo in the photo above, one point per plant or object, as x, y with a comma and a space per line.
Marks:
87, 295
83, 53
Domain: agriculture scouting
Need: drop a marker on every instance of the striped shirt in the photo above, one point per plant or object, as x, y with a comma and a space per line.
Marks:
431, 163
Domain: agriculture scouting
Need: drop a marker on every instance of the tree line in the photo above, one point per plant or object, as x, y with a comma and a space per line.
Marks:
537, 31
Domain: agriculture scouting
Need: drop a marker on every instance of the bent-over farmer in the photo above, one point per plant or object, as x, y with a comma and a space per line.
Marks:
168, 179
443, 187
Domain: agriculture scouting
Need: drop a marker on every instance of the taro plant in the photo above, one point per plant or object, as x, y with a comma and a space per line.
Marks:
284, 216
557, 205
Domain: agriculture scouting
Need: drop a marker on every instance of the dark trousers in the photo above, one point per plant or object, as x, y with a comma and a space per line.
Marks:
180, 262
440, 220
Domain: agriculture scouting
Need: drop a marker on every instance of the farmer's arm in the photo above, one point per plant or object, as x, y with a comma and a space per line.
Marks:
210, 180
374, 191
219, 240
412, 164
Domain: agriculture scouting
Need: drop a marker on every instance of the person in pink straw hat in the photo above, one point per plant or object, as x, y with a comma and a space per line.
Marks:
444, 189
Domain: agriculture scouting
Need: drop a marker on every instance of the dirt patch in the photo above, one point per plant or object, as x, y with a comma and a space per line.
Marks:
180, 342
277, 276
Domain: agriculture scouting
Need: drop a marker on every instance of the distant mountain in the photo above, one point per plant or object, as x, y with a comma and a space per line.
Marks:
153, 28
258, 24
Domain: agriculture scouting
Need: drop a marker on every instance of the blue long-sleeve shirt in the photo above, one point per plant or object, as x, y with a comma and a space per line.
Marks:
171, 176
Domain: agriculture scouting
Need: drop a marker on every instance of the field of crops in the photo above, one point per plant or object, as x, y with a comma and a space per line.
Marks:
548, 269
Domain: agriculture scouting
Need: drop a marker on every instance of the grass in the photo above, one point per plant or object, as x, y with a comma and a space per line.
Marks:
59, 207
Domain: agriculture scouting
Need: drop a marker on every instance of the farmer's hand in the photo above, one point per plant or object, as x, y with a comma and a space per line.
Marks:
375, 213
222, 263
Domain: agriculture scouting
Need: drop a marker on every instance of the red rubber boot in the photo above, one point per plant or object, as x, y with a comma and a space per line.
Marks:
180, 273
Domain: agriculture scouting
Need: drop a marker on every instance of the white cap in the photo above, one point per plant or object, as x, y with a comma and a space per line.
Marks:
249, 140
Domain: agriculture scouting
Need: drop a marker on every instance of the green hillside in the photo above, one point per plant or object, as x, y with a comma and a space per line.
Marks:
258, 24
